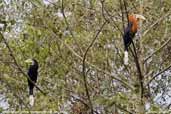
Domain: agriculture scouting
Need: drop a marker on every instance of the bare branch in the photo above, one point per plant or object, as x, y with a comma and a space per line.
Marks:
165, 44
140, 76
122, 12
84, 65
126, 11
164, 70
114, 24
158, 21
68, 26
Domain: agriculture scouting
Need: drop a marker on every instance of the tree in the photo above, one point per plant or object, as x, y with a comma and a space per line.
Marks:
79, 46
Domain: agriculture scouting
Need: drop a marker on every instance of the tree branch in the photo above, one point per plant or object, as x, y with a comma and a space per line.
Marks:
84, 65
145, 60
158, 21
126, 11
164, 70
67, 24
122, 12
140, 76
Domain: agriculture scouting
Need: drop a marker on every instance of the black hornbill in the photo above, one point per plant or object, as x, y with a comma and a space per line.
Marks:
32, 73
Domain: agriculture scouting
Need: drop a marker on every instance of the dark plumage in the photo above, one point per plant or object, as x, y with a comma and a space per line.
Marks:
128, 36
130, 32
32, 73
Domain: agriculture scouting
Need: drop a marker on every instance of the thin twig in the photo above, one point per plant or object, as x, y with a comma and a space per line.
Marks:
156, 22
84, 65
127, 13
140, 76
103, 11
114, 24
145, 60
68, 26
122, 12
164, 70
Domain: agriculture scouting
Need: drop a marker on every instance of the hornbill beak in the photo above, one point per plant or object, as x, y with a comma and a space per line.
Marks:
138, 16
29, 61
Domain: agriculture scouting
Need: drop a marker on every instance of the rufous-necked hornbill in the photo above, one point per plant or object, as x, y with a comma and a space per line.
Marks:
32, 73
130, 32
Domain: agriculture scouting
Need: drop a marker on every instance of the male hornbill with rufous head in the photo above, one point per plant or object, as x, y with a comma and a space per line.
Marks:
32, 73
130, 32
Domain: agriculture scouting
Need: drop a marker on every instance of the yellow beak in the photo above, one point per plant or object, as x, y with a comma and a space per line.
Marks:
29, 61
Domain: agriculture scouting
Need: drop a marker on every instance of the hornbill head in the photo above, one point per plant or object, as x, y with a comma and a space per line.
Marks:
133, 20
31, 61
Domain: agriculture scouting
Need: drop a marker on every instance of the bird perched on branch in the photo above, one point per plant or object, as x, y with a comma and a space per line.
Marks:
130, 32
32, 73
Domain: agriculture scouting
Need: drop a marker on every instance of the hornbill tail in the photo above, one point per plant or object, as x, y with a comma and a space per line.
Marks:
31, 100
126, 57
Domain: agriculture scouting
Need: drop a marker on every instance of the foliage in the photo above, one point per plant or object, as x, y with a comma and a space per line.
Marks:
58, 32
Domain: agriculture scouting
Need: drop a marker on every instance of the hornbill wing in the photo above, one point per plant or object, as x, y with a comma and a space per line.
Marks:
32, 73
128, 35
